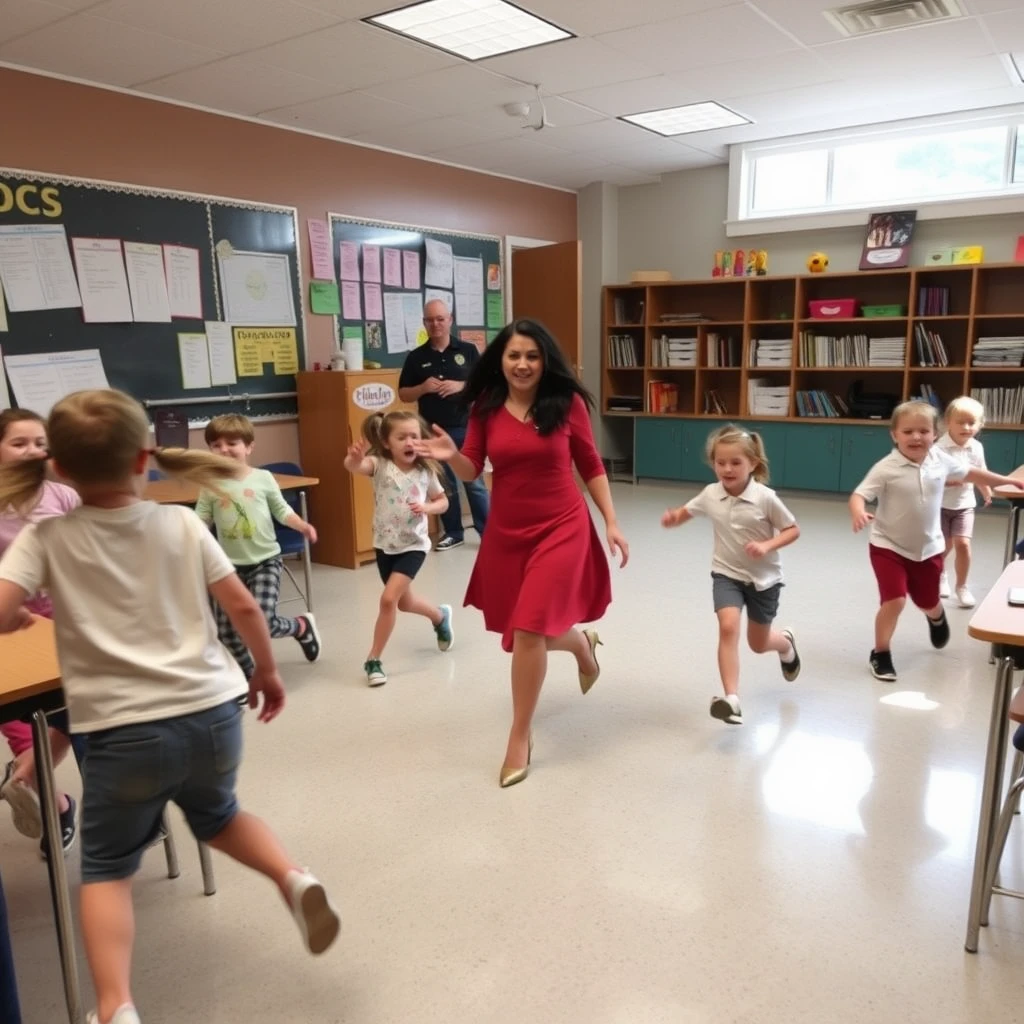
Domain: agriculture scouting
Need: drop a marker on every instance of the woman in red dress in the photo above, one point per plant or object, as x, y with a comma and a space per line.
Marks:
541, 567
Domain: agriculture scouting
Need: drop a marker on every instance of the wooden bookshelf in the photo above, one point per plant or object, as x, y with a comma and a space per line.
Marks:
961, 305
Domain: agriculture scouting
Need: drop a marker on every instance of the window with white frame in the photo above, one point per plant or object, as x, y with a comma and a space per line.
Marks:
970, 158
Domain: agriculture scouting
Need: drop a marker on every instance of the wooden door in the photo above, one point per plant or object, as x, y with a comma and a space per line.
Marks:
547, 285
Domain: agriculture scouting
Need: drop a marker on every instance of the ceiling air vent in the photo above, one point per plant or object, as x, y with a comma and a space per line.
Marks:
886, 15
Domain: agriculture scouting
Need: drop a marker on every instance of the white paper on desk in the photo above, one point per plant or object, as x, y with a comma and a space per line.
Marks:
5, 395
256, 289
394, 322
438, 269
469, 291
412, 312
184, 293
220, 342
36, 268
195, 361
40, 381
147, 285
102, 281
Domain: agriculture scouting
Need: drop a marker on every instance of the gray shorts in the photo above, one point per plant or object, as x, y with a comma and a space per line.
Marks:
130, 774
762, 605
957, 522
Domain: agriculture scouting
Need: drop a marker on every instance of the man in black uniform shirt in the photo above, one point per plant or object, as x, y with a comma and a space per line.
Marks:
433, 376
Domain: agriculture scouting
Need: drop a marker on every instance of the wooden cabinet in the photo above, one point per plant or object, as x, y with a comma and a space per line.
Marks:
332, 408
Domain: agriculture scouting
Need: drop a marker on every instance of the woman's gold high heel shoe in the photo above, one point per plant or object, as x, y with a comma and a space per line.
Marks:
586, 682
510, 776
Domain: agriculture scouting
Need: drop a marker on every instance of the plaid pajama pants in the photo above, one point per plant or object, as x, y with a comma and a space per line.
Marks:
263, 581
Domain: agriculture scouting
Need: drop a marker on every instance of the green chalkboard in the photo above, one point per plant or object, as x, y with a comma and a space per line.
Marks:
143, 358
368, 243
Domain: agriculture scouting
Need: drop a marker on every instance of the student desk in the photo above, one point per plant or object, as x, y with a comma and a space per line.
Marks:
30, 686
180, 492
995, 622
1016, 500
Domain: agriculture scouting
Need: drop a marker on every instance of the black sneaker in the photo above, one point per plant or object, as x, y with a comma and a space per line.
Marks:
882, 666
68, 829
791, 669
310, 640
448, 542
938, 631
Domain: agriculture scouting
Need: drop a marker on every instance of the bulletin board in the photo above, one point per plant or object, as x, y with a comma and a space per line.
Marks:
145, 358
396, 262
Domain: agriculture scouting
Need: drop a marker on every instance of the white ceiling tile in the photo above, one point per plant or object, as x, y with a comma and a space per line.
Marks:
990, 6
701, 40
492, 120
659, 157
633, 97
617, 175
349, 9
589, 17
453, 90
568, 65
892, 55
352, 56
345, 115
433, 134
17, 17
789, 70
804, 19
1007, 28
101, 51
232, 26
238, 86
603, 135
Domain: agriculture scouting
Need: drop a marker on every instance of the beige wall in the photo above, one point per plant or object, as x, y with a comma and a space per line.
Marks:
678, 224
62, 128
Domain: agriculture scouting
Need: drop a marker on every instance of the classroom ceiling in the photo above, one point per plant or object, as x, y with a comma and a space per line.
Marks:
312, 64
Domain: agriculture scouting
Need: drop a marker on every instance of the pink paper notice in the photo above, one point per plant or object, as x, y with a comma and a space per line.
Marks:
393, 268
320, 249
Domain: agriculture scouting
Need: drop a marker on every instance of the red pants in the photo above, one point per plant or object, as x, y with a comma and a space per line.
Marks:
899, 576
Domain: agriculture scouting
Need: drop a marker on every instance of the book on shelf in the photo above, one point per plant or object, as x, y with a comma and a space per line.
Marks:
1002, 405
767, 399
930, 395
827, 351
677, 353
625, 403
1001, 352
776, 352
714, 404
820, 404
662, 396
623, 351
628, 310
683, 318
722, 351
931, 351
932, 301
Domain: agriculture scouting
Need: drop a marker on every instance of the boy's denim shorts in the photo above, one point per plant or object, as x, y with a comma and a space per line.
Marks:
131, 773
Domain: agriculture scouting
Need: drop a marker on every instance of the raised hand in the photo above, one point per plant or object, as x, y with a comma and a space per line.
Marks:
358, 451
440, 446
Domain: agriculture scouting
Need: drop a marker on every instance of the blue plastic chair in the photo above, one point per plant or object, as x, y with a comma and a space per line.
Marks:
291, 541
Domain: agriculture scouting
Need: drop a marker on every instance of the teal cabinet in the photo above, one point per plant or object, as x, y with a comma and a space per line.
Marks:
693, 459
1019, 461
813, 457
1002, 448
657, 449
773, 435
862, 448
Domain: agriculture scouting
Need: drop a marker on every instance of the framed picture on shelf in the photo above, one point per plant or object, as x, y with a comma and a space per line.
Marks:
887, 243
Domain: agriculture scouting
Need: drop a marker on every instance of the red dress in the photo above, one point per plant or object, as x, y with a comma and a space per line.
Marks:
541, 566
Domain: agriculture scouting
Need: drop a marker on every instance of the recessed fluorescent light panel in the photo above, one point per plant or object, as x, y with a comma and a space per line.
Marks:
694, 117
472, 29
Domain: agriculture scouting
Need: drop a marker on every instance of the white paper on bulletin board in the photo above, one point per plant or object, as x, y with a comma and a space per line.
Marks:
256, 289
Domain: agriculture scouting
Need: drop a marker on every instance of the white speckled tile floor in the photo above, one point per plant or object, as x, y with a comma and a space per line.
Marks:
657, 866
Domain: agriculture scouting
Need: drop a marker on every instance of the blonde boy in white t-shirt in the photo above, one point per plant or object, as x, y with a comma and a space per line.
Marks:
964, 419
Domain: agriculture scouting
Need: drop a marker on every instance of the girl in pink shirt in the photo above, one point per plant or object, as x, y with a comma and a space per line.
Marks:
23, 436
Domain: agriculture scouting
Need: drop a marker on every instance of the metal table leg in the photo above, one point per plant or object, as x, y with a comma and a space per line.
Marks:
1012, 529
307, 559
55, 866
206, 865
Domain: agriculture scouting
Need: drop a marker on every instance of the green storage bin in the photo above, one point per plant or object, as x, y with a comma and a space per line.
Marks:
870, 311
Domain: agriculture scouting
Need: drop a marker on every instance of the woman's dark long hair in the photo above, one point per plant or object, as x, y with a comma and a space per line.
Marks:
486, 389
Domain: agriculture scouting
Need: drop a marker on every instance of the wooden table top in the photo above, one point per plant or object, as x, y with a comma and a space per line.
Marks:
29, 660
994, 620
181, 492
1011, 492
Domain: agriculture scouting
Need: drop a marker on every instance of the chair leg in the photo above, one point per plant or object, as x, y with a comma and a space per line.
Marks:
1016, 771
295, 584
170, 850
206, 864
999, 843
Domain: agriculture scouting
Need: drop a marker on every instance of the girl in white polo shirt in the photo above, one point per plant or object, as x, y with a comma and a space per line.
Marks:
906, 544
750, 524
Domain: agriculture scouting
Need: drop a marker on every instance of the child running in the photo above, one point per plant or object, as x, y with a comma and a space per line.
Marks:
406, 489
244, 514
143, 672
964, 418
906, 542
750, 525
23, 436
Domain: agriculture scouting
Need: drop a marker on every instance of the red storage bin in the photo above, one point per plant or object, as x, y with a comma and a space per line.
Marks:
823, 309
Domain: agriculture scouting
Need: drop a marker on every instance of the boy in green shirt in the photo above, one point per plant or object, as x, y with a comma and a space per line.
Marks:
244, 519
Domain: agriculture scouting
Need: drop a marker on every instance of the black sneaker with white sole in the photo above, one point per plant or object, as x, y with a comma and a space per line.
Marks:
882, 666
448, 542
24, 804
791, 669
938, 631
68, 829
310, 639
